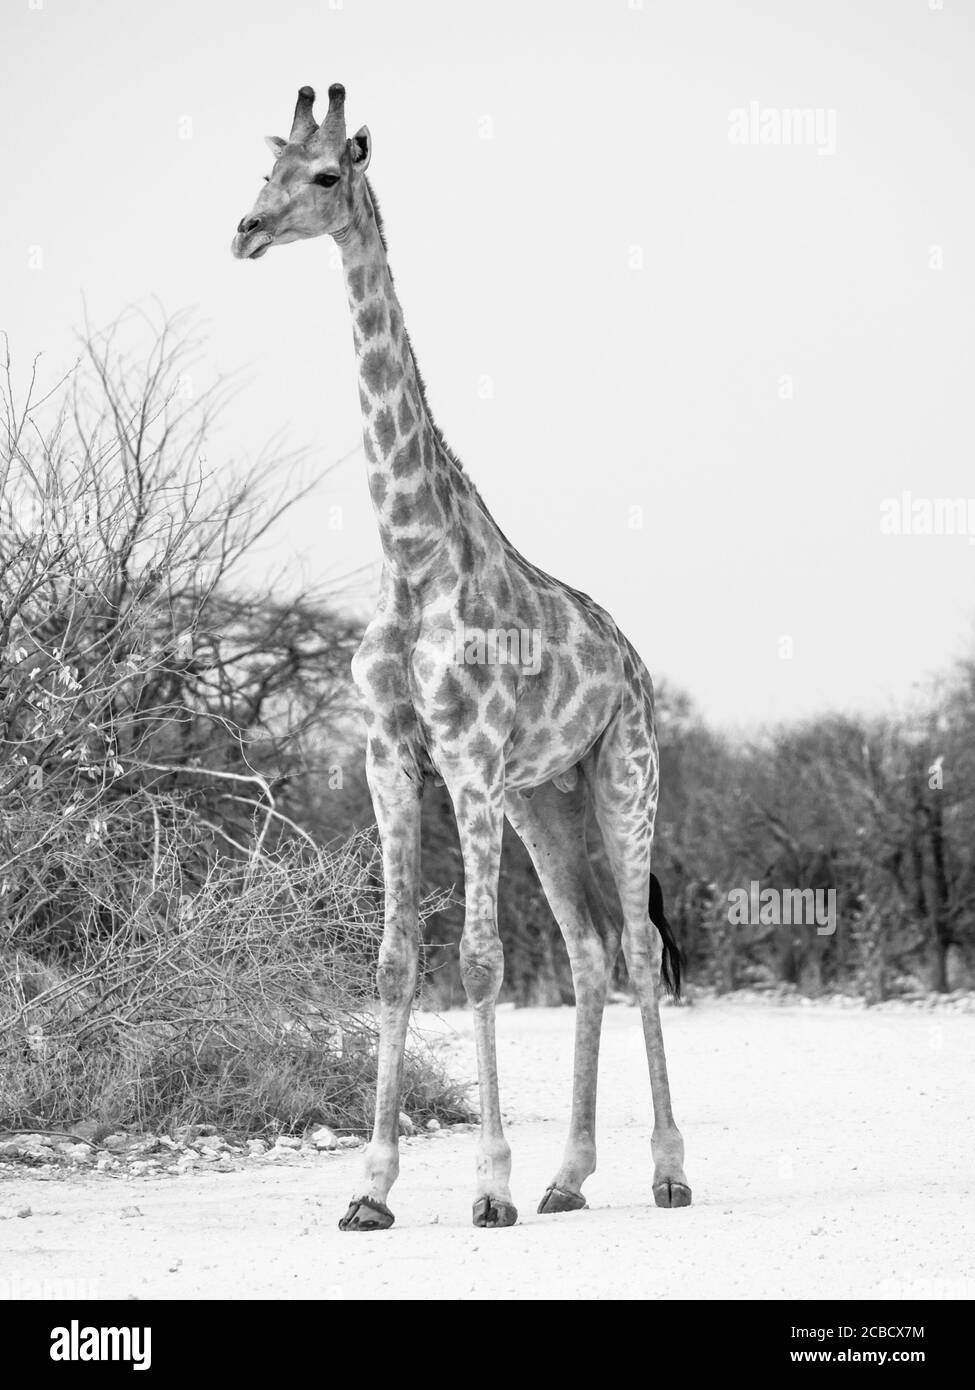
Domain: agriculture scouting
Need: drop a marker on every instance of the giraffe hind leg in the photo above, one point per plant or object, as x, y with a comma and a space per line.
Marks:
552, 827
624, 783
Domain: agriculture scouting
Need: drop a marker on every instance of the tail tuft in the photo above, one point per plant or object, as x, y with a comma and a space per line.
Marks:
673, 958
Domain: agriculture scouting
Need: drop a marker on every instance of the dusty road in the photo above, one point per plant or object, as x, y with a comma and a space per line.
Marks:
830, 1152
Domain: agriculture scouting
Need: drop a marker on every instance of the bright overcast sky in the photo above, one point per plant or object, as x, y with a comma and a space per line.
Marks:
615, 305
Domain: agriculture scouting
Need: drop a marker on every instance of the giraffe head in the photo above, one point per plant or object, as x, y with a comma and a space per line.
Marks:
316, 180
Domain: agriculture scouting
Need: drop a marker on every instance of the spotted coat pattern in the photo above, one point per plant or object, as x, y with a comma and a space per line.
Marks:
559, 729
540, 742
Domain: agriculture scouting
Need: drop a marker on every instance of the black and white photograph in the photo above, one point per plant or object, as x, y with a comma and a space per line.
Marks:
487, 668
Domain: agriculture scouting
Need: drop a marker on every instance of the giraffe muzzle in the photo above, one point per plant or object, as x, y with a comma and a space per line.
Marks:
252, 239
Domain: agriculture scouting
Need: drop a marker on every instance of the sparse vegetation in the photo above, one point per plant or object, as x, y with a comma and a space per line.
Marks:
189, 924
174, 945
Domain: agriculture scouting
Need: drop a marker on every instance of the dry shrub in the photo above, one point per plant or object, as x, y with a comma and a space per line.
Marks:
173, 945
246, 1003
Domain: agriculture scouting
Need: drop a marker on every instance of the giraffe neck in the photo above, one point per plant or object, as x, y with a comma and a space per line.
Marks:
417, 491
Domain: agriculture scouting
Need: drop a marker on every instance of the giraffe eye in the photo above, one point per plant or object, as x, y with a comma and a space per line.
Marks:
325, 180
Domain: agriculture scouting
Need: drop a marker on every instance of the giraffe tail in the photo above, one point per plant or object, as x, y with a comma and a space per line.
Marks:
673, 957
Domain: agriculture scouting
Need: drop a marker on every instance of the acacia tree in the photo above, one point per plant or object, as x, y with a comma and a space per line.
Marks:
140, 677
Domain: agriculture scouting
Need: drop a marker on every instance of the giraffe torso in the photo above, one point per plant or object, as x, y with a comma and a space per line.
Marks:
488, 657
474, 655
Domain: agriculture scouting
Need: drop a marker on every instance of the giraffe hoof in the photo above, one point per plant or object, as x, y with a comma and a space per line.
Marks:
561, 1199
671, 1194
490, 1212
367, 1214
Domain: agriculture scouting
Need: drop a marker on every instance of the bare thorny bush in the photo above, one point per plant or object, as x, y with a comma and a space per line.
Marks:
172, 943
242, 1004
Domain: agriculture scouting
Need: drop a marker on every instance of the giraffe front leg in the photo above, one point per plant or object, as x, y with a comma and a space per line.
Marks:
477, 793
396, 802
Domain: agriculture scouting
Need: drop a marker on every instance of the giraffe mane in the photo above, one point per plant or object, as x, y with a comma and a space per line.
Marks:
448, 452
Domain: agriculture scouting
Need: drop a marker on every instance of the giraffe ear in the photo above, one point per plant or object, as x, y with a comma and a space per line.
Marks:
360, 149
275, 144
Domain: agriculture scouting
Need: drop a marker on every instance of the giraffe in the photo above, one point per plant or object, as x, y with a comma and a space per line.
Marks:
516, 691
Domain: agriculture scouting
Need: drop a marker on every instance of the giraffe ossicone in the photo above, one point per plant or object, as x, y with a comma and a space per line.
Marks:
560, 734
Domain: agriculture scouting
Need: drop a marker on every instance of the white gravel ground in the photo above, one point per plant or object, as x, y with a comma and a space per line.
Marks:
830, 1151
